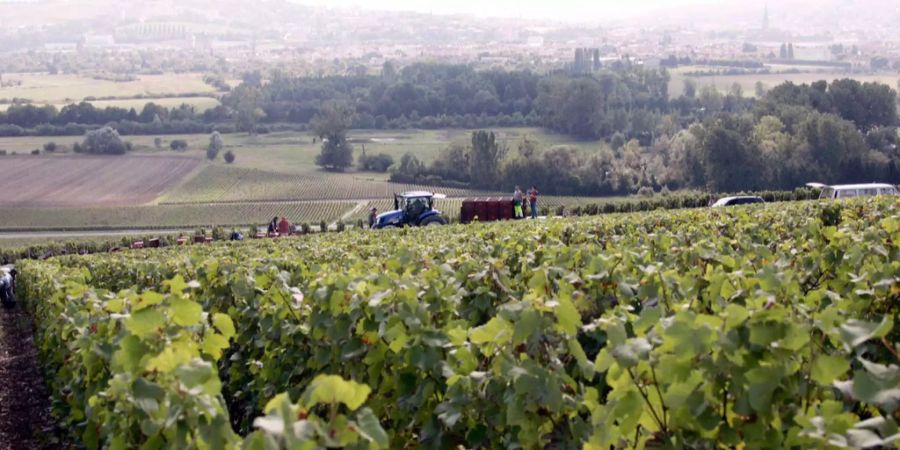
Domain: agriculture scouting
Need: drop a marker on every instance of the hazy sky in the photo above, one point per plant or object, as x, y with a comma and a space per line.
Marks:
580, 10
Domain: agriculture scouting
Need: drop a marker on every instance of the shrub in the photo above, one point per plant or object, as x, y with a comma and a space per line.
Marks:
645, 191
178, 145
215, 146
36, 152
157, 142
229, 157
104, 141
50, 147
376, 163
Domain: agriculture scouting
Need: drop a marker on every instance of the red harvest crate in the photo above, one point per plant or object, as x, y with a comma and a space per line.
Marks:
486, 209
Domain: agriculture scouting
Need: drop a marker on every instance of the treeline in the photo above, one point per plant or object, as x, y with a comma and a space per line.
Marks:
427, 96
839, 132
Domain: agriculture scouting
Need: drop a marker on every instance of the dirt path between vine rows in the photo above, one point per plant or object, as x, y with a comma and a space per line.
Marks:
25, 421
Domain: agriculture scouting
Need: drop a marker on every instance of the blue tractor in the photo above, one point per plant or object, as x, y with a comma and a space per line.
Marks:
411, 209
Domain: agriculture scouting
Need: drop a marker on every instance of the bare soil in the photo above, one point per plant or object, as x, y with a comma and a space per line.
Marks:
25, 421
82, 180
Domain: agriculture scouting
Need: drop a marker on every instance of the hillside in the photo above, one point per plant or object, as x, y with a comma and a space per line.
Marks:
752, 326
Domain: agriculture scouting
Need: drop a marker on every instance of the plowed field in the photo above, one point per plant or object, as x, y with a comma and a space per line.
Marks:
78, 181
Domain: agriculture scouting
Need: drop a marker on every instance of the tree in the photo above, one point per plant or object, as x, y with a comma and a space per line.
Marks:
760, 89
409, 170
388, 71
50, 147
452, 163
247, 102
376, 163
153, 113
690, 88
485, 158
104, 141
215, 146
178, 144
157, 142
728, 159
229, 157
331, 125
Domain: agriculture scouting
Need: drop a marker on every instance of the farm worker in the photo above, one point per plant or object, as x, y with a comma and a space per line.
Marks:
517, 203
284, 227
273, 225
373, 215
532, 200
7, 284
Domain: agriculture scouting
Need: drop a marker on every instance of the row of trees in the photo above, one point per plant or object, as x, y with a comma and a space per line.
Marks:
30, 115
842, 132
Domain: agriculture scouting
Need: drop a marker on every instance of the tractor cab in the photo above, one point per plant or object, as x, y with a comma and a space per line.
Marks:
412, 209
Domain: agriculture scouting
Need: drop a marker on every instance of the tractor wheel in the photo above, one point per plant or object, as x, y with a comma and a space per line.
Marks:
433, 220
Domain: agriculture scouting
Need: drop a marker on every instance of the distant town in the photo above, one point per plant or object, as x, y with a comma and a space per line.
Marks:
202, 36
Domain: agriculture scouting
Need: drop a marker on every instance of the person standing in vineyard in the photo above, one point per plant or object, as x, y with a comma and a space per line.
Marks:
7, 286
532, 201
284, 227
517, 203
373, 215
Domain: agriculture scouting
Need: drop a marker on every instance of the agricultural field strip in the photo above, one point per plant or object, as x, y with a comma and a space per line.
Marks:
235, 184
231, 214
625, 328
75, 180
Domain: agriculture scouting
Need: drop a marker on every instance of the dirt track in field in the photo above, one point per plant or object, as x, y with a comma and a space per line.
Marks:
25, 421
82, 180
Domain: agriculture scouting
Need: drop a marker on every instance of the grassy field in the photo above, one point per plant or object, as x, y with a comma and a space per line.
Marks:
63, 89
274, 174
748, 82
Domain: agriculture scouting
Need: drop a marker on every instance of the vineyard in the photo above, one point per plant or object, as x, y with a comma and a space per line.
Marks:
763, 327
172, 216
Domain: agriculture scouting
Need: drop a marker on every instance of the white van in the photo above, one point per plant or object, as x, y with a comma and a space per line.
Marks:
853, 190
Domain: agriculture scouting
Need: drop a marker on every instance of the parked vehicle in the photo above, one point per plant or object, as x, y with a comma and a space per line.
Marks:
412, 209
853, 190
738, 200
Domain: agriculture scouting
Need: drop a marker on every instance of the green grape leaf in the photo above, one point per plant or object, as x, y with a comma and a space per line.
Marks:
568, 316
145, 322
370, 429
496, 331
186, 312
856, 332
214, 344
223, 323
827, 368
330, 389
